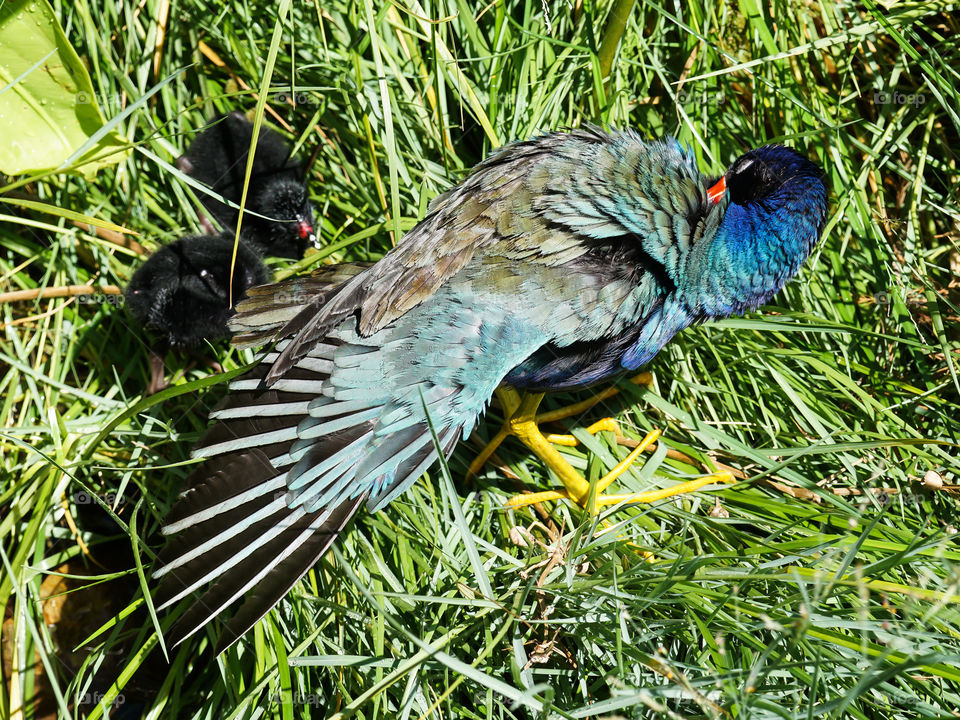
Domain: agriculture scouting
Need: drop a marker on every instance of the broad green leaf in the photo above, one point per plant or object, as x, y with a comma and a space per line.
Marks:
48, 108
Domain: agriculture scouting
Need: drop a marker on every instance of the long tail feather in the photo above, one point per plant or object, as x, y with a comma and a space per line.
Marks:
233, 531
345, 424
289, 544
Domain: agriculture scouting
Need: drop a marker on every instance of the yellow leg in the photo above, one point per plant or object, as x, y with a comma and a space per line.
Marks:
602, 483
643, 378
523, 422
652, 496
510, 401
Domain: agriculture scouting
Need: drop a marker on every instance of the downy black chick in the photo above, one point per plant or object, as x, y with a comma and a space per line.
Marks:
183, 293
217, 157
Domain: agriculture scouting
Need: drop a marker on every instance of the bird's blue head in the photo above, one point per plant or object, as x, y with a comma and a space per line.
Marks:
774, 206
774, 175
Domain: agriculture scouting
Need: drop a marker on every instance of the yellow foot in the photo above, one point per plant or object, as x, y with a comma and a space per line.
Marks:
510, 401
572, 479
523, 422
650, 496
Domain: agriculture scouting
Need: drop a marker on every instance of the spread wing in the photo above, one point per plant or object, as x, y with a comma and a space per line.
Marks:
533, 202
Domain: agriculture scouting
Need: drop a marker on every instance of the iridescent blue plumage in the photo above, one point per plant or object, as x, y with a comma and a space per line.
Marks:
559, 262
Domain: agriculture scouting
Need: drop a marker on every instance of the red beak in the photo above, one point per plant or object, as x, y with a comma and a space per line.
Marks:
715, 193
304, 230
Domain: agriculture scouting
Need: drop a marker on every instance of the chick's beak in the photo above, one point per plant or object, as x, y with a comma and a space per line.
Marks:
305, 231
715, 193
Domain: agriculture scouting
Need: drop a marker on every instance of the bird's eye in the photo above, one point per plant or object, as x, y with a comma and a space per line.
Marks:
745, 164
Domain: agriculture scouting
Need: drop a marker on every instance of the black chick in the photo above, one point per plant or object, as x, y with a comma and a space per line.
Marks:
218, 157
183, 293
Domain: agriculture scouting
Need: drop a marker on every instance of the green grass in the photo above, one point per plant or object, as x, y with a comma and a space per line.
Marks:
841, 602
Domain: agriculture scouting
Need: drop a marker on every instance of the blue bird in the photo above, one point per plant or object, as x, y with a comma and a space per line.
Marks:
558, 263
